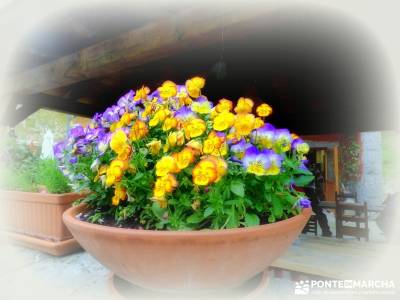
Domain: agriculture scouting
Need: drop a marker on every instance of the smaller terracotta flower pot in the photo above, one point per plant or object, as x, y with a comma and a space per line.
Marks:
35, 220
186, 261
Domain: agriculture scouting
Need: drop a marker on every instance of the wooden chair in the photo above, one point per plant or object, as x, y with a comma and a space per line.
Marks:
351, 212
346, 196
311, 225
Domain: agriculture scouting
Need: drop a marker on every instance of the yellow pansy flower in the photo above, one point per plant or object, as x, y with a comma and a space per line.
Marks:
119, 194
168, 89
102, 170
222, 150
303, 148
148, 110
194, 86
224, 105
201, 107
258, 123
125, 153
209, 170
184, 158
154, 147
138, 130
114, 172
264, 110
244, 105
127, 118
115, 201
213, 143
208, 146
244, 124
184, 99
169, 123
204, 173
194, 128
163, 185
165, 165
116, 125
176, 138
118, 141
223, 121
221, 166
158, 117
195, 144
141, 94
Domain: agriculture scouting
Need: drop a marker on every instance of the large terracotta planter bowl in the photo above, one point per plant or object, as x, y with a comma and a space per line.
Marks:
186, 261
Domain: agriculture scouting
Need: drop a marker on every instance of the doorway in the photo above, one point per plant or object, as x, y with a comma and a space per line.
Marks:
328, 161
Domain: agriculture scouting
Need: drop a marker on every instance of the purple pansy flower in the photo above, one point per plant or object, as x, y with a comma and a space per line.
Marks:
103, 142
154, 94
201, 105
255, 161
264, 136
300, 146
111, 114
76, 132
304, 202
126, 99
58, 150
240, 148
283, 139
93, 133
184, 113
275, 162
80, 147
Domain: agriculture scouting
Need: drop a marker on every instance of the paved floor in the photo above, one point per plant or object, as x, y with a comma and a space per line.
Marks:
29, 274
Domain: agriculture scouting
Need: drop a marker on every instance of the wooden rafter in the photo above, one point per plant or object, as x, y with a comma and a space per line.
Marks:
18, 110
192, 28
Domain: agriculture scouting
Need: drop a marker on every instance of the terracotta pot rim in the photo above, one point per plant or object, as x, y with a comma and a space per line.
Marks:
39, 193
47, 198
70, 219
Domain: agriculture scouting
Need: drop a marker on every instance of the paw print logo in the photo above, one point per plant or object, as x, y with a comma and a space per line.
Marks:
302, 287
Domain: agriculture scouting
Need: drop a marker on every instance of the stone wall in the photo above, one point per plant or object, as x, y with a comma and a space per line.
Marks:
370, 186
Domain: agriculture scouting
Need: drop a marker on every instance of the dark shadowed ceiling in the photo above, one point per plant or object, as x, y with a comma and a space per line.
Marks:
321, 72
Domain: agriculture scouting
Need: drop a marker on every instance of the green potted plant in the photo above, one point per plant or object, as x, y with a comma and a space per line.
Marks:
185, 195
34, 196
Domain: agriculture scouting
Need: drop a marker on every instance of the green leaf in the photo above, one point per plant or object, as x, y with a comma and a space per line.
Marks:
195, 218
251, 220
267, 185
208, 212
277, 209
304, 172
233, 219
303, 180
271, 219
237, 187
236, 202
157, 210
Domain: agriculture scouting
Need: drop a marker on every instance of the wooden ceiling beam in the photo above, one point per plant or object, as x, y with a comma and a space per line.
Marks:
188, 29
18, 110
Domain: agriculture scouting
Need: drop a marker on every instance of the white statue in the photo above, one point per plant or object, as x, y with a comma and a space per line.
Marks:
47, 145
